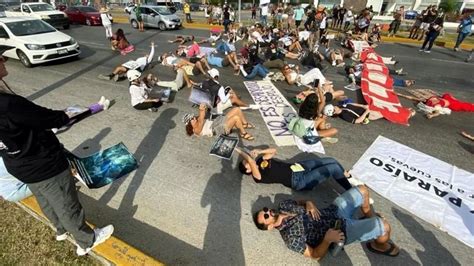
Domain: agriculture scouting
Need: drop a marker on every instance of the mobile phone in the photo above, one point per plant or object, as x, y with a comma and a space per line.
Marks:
337, 225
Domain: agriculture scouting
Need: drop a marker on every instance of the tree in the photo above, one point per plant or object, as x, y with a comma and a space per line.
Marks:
449, 6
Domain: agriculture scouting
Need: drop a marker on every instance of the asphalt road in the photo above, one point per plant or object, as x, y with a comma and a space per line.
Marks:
184, 207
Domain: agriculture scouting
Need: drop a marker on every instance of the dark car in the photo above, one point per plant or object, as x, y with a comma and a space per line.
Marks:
411, 14
83, 15
194, 6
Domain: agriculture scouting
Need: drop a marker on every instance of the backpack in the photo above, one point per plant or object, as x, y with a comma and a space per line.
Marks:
297, 127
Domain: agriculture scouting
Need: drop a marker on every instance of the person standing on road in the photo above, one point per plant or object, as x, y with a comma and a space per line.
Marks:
264, 14
33, 154
429, 16
187, 12
254, 12
348, 18
397, 20
433, 33
299, 13
138, 14
464, 29
104, 17
226, 21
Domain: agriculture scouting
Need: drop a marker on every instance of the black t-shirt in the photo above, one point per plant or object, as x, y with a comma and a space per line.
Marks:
30, 151
350, 113
274, 171
213, 88
226, 15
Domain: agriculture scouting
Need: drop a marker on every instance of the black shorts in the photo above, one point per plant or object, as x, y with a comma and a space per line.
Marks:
194, 60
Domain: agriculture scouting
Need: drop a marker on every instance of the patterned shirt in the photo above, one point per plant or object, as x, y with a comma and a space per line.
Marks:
301, 229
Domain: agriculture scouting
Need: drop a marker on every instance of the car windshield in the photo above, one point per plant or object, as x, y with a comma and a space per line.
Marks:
162, 10
29, 27
86, 9
41, 7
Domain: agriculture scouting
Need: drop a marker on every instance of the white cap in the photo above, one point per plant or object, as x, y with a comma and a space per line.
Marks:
213, 73
133, 75
328, 110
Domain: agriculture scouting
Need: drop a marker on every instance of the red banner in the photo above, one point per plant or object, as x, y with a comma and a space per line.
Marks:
377, 89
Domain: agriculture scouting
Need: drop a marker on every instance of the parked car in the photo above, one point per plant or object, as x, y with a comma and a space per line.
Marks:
411, 14
83, 15
35, 41
156, 17
194, 6
42, 11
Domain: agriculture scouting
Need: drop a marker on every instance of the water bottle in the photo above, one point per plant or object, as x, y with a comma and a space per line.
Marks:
336, 247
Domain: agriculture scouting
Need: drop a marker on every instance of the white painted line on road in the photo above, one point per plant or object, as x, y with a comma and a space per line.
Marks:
449, 61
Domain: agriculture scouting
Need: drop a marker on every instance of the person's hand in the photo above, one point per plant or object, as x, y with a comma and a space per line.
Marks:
152, 44
254, 153
202, 107
333, 236
313, 211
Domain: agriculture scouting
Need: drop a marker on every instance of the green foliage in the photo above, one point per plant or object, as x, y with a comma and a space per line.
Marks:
449, 6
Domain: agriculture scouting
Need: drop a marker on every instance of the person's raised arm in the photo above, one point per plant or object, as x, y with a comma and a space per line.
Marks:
151, 54
200, 119
253, 165
267, 154
24, 112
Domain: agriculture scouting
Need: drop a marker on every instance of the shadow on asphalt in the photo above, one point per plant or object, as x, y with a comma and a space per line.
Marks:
433, 253
152, 241
79, 73
467, 147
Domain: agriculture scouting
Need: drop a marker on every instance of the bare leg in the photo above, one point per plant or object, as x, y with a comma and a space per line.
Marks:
206, 64
237, 112
235, 100
291, 55
199, 66
189, 82
119, 70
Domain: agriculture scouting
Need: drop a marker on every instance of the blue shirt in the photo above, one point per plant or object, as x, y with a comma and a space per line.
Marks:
299, 14
465, 25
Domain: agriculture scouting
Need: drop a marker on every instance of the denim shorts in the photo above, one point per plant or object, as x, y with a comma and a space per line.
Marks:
357, 230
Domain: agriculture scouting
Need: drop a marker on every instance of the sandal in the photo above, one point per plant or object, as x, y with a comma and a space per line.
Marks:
247, 136
248, 126
387, 252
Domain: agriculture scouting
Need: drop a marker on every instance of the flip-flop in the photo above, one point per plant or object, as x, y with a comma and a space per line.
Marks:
248, 126
247, 136
386, 252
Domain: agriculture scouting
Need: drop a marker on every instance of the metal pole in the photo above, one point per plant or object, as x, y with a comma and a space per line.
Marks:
240, 4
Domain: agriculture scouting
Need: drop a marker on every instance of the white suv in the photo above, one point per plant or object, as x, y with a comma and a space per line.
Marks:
35, 41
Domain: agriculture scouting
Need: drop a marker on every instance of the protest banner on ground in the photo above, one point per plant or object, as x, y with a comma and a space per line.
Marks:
276, 111
377, 89
103, 167
435, 191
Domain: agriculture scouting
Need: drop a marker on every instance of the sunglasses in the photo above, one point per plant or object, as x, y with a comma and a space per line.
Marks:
266, 211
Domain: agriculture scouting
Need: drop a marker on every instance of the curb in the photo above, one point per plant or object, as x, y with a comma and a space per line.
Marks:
112, 252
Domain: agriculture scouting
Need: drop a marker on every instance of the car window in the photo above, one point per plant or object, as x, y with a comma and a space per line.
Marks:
3, 32
25, 9
29, 27
87, 9
71, 9
162, 10
41, 7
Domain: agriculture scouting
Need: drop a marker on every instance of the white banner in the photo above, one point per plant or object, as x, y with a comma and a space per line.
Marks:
276, 111
435, 191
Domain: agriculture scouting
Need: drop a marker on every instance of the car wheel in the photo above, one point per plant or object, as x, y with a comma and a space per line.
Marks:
24, 59
66, 27
162, 26
88, 22
134, 24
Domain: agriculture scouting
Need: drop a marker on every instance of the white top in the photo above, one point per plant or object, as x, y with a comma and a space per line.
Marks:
264, 10
207, 129
144, 61
105, 19
322, 25
138, 93
348, 16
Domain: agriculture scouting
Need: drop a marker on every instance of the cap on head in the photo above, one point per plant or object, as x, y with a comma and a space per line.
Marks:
214, 73
133, 75
328, 110
187, 118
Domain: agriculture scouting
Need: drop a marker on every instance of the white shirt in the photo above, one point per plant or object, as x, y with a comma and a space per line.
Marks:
144, 61
138, 93
264, 10
348, 16
105, 19
322, 25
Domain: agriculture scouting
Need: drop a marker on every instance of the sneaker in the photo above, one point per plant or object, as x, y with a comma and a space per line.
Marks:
427, 51
270, 74
333, 63
399, 71
330, 140
267, 77
291, 65
153, 109
341, 64
355, 182
104, 77
61, 237
456, 49
102, 100
101, 234
106, 104
421, 50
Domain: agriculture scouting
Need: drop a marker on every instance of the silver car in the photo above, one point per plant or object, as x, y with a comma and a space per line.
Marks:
156, 17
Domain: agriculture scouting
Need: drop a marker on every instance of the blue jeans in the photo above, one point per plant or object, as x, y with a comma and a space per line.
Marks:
223, 47
461, 37
263, 20
258, 70
430, 38
398, 82
316, 171
357, 230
